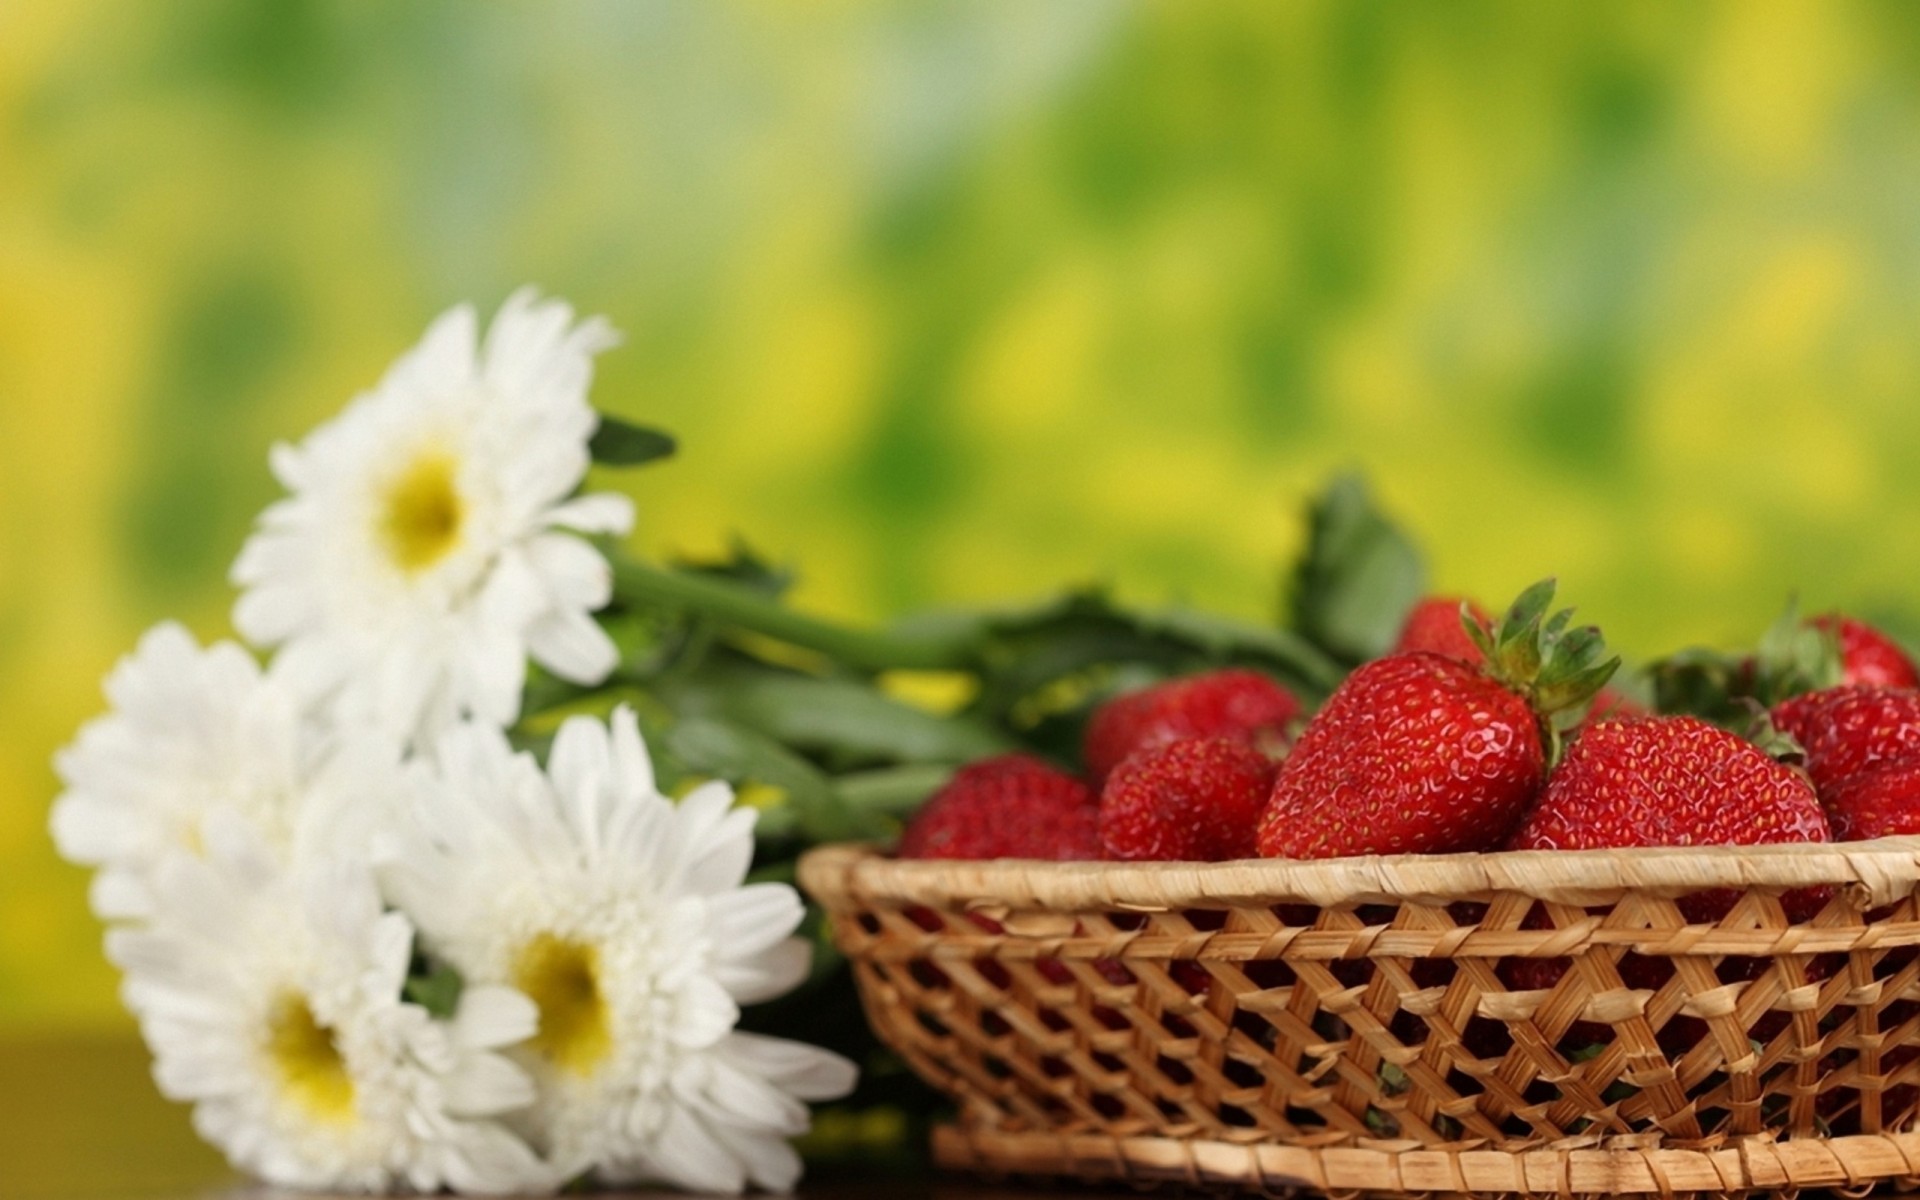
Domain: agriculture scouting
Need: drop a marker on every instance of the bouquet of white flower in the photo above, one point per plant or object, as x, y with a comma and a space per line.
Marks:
374, 944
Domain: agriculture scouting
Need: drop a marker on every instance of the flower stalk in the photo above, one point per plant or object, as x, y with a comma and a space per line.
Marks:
735, 604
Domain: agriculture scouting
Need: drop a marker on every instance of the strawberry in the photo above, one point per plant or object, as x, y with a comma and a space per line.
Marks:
1010, 806
1197, 800
1881, 801
1867, 656
1845, 730
1669, 781
1242, 705
1422, 753
1675, 781
1437, 624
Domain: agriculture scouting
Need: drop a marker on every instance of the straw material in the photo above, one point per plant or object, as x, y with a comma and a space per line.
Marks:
1717, 1020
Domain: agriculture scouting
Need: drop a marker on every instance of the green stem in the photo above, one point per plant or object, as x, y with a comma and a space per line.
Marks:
744, 608
896, 790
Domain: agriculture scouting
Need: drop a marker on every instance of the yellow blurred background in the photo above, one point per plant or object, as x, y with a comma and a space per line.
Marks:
960, 301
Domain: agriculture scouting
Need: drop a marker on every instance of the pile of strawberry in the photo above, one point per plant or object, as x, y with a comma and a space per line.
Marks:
1472, 734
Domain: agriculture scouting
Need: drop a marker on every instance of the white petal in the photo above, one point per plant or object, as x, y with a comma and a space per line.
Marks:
581, 769
805, 1071
515, 594
771, 1163
575, 574
633, 766
493, 1162
599, 512
574, 647
689, 1156
444, 358
486, 1085
768, 975
734, 1098
705, 1014
749, 920
86, 831
491, 1017
119, 895
269, 615
497, 667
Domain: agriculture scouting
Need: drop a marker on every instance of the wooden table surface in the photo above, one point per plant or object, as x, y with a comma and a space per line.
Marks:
80, 1120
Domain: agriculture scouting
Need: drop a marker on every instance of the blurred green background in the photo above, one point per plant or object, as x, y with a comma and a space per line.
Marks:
961, 301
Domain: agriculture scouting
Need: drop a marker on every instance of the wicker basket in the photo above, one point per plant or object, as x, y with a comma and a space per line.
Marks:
1696, 1020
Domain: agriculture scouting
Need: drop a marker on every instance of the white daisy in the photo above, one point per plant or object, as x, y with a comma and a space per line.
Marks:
271, 1000
420, 557
193, 732
624, 916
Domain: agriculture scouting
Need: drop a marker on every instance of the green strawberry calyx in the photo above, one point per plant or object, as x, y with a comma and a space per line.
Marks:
1556, 665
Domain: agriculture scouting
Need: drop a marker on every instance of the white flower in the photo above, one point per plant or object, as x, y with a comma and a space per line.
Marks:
271, 1000
420, 558
196, 732
624, 916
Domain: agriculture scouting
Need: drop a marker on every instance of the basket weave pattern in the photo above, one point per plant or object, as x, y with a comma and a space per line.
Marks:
1658, 1021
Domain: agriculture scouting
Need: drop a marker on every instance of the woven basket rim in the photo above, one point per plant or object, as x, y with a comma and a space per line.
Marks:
1874, 873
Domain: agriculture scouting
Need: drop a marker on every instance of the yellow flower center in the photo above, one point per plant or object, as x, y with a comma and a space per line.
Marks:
562, 977
310, 1066
423, 512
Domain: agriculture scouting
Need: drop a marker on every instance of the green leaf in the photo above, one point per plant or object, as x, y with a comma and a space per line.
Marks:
1480, 635
1795, 656
1226, 638
1566, 703
1557, 624
1570, 656
849, 719
618, 443
1358, 578
896, 791
437, 991
1522, 621
1791, 657
1086, 628
726, 751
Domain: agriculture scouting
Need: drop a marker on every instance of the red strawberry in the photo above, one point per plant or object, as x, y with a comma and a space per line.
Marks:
1675, 781
1434, 625
1845, 730
1198, 801
1242, 705
1881, 801
1867, 656
1011, 806
1421, 753
1669, 781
